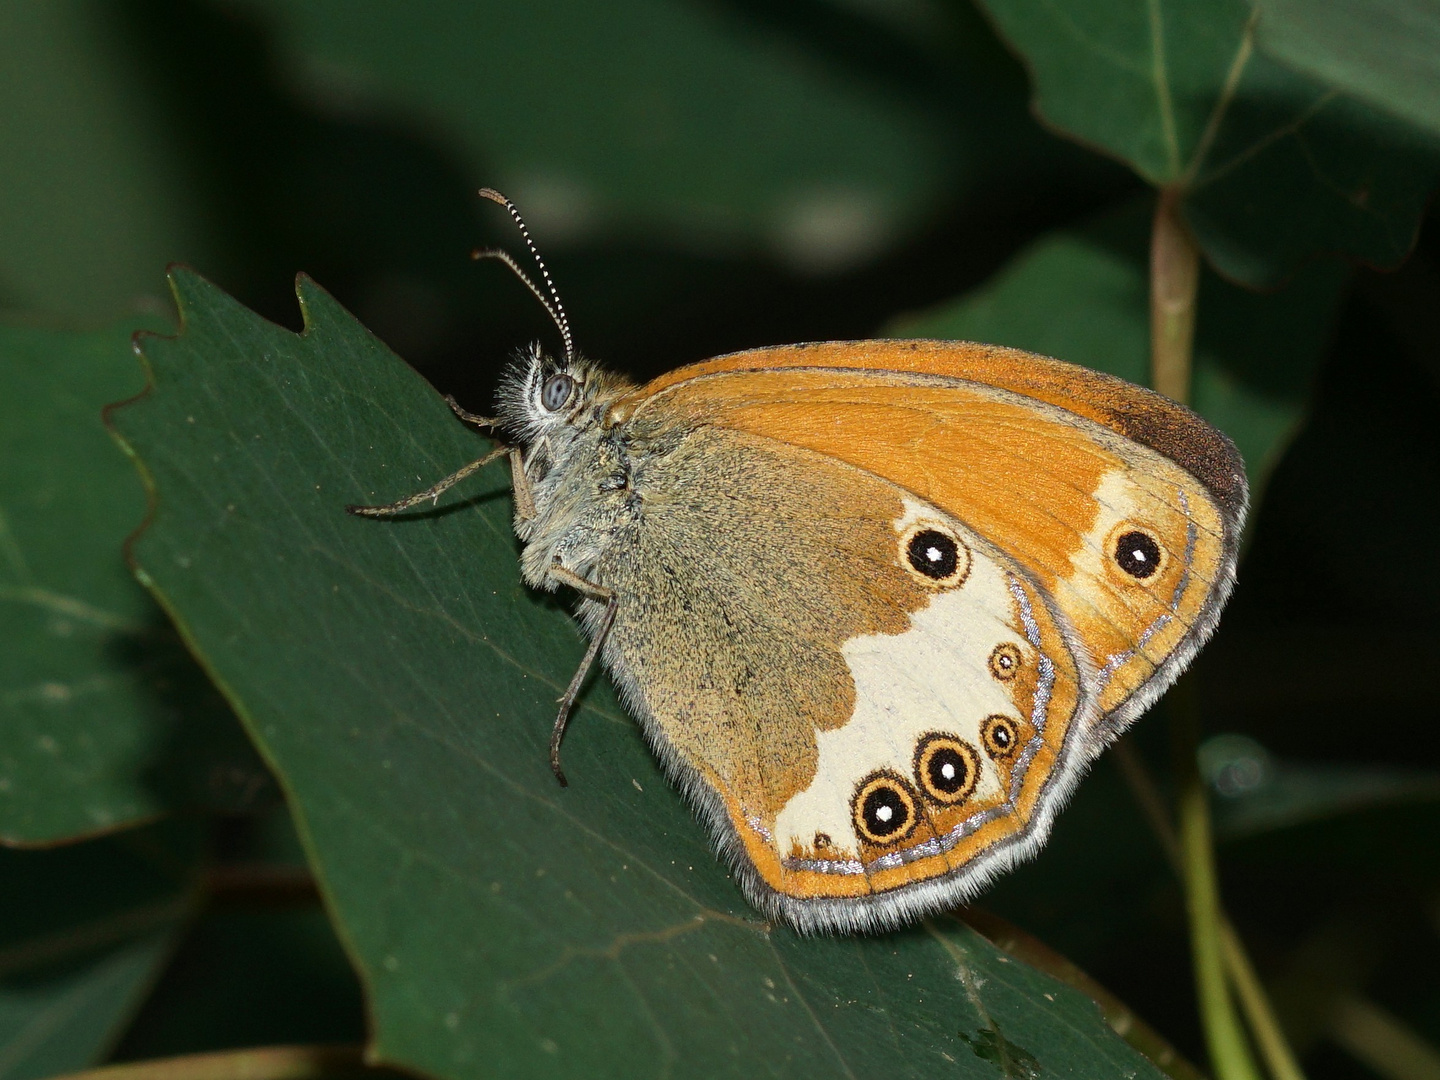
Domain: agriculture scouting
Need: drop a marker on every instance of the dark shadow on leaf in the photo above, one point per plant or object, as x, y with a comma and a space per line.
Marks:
1014, 1062
200, 757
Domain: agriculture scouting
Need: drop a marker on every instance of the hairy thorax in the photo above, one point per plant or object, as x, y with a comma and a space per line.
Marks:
583, 485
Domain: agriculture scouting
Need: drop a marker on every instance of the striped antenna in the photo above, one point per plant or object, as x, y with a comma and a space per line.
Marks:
552, 305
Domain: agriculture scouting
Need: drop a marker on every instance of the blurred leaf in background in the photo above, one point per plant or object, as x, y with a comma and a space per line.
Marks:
105, 721
831, 159
1385, 52
1275, 166
743, 128
94, 201
84, 939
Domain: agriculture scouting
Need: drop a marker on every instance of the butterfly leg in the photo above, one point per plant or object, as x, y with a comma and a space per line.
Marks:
432, 494
607, 618
520, 485
474, 419
519, 482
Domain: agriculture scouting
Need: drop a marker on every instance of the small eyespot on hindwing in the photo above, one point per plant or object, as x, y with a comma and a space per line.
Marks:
1005, 660
1001, 735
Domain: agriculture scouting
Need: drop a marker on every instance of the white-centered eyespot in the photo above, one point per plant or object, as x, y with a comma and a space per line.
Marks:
934, 556
883, 809
1001, 736
946, 768
1138, 552
1004, 662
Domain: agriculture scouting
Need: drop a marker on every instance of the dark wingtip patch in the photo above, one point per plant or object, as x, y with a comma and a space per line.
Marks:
1187, 439
1140, 414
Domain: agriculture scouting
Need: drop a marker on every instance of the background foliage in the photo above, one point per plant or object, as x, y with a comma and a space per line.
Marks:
303, 799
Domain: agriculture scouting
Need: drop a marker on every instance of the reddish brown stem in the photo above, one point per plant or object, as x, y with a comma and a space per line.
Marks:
1174, 283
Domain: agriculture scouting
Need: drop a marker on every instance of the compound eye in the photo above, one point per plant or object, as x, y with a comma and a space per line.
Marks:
557, 392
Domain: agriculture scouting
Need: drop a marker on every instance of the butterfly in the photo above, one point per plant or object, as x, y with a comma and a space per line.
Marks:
876, 604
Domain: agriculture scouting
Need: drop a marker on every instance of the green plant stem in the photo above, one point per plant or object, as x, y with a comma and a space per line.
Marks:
1255, 1004
1174, 283
1382, 1041
1259, 1014
252, 1063
1230, 1055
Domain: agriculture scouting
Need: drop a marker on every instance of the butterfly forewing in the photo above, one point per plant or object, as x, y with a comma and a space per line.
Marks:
1135, 549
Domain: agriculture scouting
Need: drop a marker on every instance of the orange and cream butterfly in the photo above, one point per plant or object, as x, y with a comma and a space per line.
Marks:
877, 604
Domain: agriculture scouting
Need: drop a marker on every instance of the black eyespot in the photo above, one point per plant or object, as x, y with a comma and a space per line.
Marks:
883, 809
932, 553
936, 557
1000, 735
557, 391
946, 768
1138, 554
1005, 661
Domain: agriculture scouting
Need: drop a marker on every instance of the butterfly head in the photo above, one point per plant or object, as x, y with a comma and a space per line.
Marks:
551, 400
546, 402
555, 410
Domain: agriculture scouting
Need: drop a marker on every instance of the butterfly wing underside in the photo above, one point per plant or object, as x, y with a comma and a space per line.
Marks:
949, 574
864, 695
1056, 465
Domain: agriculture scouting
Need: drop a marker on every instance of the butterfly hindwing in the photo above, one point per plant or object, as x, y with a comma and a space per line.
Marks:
863, 692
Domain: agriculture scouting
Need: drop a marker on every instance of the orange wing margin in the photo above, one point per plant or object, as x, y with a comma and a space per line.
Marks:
1133, 411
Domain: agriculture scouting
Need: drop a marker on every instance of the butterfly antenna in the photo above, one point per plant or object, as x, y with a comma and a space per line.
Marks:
553, 305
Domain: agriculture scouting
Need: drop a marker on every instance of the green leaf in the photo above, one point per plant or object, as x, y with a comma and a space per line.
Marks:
1081, 295
1257, 793
821, 134
402, 683
104, 720
1386, 52
1275, 166
82, 941
95, 204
